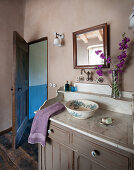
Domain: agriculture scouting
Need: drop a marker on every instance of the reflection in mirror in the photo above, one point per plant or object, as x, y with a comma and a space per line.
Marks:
86, 42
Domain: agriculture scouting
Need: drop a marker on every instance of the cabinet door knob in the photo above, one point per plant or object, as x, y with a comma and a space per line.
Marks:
50, 131
94, 153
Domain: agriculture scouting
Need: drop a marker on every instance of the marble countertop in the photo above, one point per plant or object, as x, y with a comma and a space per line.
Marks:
120, 134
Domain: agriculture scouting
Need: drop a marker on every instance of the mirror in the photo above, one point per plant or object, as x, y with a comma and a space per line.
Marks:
85, 43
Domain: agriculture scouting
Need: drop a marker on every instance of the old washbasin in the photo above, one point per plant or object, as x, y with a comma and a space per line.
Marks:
81, 109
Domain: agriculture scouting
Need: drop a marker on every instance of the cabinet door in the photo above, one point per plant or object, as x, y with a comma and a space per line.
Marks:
57, 157
96, 166
83, 163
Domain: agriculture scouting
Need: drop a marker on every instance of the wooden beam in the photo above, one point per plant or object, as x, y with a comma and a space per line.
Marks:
84, 38
100, 35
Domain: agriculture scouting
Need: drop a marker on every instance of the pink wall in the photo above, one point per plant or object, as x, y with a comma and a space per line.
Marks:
11, 18
43, 17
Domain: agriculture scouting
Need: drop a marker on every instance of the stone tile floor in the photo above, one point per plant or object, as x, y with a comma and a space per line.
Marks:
25, 157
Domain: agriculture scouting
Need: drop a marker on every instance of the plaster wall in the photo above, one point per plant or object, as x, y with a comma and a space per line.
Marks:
11, 19
44, 17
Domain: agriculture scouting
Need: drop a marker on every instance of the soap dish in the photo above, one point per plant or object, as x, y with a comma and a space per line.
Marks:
106, 121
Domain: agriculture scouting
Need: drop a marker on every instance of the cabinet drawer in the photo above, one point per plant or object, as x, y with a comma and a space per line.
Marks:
58, 134
109, 159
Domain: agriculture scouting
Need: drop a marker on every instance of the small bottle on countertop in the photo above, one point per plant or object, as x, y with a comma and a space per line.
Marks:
75, 88
67, 86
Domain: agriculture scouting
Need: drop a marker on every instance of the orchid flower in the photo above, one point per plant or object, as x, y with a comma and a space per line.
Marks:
123, 46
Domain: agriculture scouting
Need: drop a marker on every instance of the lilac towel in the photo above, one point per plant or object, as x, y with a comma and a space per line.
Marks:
40, 123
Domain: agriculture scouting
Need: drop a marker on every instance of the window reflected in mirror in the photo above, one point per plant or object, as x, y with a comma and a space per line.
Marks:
86, 42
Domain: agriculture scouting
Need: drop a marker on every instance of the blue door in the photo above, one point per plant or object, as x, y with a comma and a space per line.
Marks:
20, 88
37, 75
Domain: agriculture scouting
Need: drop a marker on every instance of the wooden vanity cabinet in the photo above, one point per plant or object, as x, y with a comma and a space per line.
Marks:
56, 155
66, 150
101, 155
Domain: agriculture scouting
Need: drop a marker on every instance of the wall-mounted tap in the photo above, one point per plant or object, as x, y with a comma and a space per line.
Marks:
89, 76
88, 73
82, 71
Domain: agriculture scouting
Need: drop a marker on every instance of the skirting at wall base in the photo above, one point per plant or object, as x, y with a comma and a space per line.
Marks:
5, 131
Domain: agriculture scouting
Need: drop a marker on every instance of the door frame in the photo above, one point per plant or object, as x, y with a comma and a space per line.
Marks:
36, 41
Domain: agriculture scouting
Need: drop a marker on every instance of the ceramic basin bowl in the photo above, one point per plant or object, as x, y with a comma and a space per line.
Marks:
81, 109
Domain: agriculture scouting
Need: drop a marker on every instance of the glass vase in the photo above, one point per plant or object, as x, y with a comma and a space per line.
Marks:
115, 85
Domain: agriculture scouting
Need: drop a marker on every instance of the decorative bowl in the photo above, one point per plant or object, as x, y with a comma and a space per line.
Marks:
81, 109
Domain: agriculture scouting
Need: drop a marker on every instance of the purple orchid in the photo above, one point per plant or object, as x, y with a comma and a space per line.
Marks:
121, 63
119, 71
99, 66
99, 72
126, 39
102, 56
123, 46
98, 52
122, 56
108, 60
119, 57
